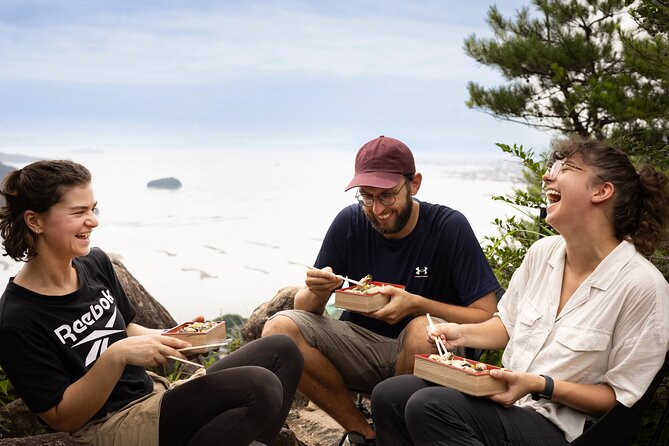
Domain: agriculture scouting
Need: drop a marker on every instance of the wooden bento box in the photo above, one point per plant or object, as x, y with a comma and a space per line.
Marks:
215, 334
361, 302
471, 382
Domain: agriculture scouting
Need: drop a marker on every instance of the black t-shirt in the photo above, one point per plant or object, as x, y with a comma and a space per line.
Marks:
49, 342
441, 259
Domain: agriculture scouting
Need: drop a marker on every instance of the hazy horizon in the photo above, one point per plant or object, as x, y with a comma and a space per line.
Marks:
242, 226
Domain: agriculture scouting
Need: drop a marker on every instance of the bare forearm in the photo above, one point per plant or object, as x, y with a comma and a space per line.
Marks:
594, 399
139, 330
453, 313
490, 334
307, 300
83, 398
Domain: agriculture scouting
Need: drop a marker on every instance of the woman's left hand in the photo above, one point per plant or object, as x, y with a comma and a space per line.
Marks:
518, 384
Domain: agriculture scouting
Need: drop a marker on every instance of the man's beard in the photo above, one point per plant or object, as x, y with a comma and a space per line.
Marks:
401, 220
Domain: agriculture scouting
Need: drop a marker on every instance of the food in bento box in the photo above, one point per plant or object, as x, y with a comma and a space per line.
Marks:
197, 327
466, 375
451, 359
363, 298
370, 288
209, 335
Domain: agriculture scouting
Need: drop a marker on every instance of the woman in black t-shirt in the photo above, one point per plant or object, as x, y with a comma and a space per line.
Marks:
73, 354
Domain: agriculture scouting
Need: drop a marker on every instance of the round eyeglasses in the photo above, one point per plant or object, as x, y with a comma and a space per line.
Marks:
385, 198
556, 168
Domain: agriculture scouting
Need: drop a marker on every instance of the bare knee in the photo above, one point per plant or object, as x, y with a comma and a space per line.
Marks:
414, 342
415, 337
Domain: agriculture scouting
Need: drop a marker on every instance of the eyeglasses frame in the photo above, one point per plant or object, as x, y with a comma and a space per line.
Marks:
392, 195
562, 163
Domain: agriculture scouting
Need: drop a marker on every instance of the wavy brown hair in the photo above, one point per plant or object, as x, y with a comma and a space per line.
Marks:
36, 187
641, 199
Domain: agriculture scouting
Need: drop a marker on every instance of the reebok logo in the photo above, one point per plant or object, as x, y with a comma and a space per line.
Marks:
100, 338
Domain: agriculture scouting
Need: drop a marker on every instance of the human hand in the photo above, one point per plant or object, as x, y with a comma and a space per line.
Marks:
401, 304
449, 332
518, 384
322, 281
147, 350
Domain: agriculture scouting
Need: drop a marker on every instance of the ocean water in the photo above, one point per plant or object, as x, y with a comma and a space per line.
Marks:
244, 223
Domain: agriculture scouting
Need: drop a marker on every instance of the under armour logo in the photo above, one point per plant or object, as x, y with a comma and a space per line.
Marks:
421, 272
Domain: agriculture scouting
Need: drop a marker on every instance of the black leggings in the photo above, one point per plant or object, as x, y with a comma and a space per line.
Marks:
244, 396
410, 411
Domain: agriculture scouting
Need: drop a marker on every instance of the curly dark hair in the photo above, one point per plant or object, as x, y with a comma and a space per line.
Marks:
641, 200
36, 187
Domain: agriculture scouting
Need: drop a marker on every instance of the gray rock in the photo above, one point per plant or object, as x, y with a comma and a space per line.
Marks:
287, 438
164, 183
283, 300
150, 313
17, 420
57, 439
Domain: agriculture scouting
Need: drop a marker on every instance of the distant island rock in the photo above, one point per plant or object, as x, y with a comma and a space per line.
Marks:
164, 183
4, 170
14, 158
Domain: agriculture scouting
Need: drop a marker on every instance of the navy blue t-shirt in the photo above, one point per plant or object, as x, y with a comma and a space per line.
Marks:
441, 259
49, 342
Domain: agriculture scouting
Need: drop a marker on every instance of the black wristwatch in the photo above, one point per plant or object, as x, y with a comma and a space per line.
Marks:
547, 393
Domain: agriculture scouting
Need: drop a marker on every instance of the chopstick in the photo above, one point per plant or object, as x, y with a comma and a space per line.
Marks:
198, 347
185, 361
355, 282
437, 339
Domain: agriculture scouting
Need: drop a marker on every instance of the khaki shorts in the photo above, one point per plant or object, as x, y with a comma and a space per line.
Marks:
363, 357
135, 424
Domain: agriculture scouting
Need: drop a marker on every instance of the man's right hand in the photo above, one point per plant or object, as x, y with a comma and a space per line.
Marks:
322, 282
319, 286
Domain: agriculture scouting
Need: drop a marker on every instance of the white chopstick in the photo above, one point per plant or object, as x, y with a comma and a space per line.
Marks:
349, 280
341, 277
437, 339
185, 361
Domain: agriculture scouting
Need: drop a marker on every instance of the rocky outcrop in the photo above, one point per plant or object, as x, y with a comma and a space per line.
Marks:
283, 300
16, 420
57, 439
150, 313
164, 183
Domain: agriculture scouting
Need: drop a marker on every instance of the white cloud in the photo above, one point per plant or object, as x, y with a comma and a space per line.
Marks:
210, 46
247, 73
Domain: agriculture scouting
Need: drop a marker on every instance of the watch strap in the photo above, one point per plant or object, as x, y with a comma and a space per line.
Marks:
547, 393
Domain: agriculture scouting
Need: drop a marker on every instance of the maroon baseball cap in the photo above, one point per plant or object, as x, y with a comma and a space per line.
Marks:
381, 163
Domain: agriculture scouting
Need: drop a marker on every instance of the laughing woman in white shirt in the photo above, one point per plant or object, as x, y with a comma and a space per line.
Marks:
584, 322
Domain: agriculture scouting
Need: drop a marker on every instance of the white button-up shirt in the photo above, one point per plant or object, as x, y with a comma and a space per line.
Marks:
614, 329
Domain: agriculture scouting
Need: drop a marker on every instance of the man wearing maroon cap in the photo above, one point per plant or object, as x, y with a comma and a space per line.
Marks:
429, 248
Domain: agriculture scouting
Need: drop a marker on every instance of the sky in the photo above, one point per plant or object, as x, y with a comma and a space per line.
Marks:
233, 74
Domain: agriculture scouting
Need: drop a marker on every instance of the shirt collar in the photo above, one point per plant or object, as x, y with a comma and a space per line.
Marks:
607, 270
